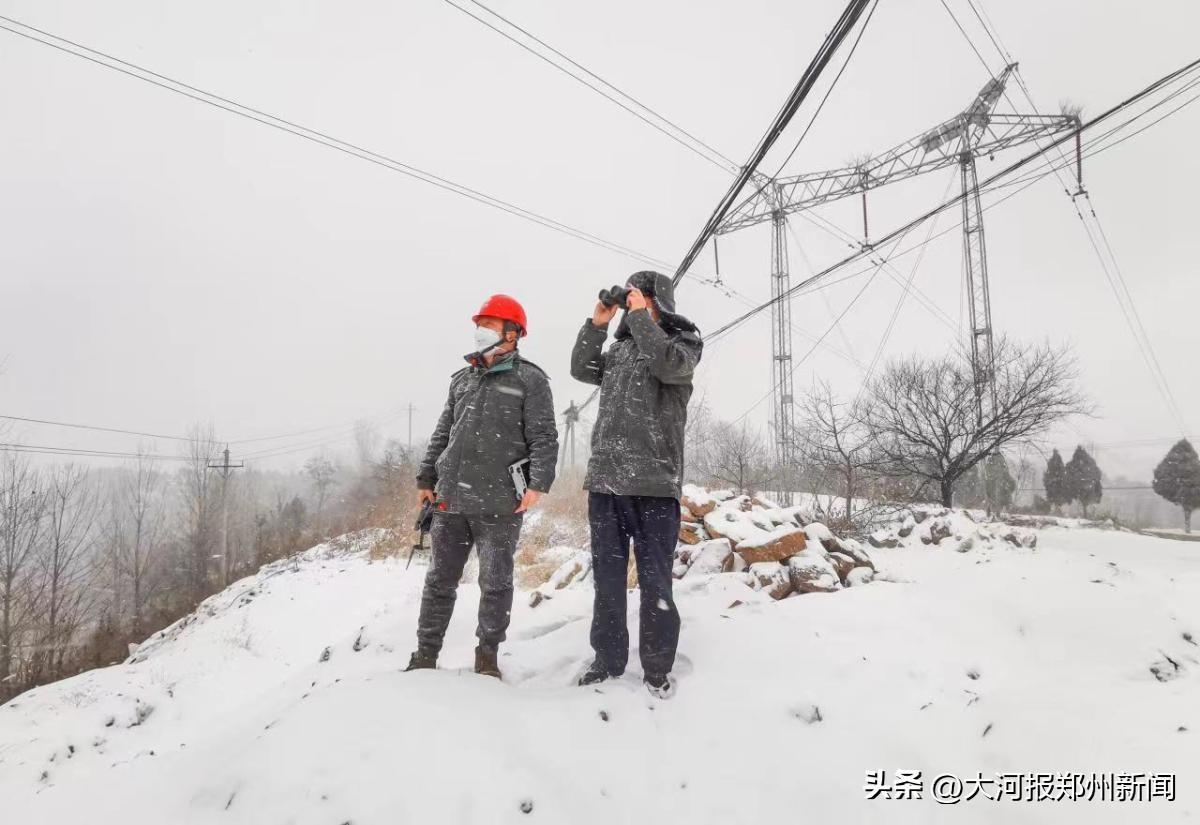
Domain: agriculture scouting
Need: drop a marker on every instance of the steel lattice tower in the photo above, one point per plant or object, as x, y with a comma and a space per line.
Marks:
783, 409
975, 132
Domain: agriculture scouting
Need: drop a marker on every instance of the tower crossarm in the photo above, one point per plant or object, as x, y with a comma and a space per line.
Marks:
978, 130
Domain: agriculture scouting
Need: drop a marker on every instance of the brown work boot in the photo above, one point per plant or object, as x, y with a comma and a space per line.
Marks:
422, 660
485, 662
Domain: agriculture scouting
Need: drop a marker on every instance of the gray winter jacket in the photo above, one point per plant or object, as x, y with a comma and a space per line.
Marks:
493, 418
645, 381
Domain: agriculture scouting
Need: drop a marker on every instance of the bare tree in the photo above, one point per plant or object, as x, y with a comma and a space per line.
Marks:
366, 441
71, 509
141, 508
106, 563
836, 444
922, 412
696, 433
321, 470
738, 457
200, 502
1026, 474
22, 507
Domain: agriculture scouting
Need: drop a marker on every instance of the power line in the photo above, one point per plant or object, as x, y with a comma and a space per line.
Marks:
312, 135
1114, 274
1133, 318
327, 140
120, 431
834, 231
304, 432
862, 290
45, 449
966, 36
833, 40
1092, 146
818, 280
288, 449
988, 28
829, 91
904, 293
92, 427
692, 143
985, 185
726, 162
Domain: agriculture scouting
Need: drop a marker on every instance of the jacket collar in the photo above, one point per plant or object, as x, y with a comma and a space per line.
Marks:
502, 364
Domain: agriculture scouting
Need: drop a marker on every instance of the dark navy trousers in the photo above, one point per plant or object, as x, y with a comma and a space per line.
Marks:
652, 524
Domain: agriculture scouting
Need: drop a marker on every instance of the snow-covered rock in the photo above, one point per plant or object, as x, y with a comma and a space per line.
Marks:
575, 569
690, 532
822, 536
859, 576
712, 557
811, 572
772, 578
842, 564
774, 546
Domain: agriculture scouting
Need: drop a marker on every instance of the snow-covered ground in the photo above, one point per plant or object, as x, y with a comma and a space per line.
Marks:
283, 700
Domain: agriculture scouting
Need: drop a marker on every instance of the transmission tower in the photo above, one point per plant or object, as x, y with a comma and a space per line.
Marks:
570, 421
976, 131
783, 408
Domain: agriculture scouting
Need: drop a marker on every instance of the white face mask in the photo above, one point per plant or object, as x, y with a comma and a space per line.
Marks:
485, 339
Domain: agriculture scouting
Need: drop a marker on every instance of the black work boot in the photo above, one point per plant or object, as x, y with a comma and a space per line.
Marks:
485, 662
596, 673
423, 659
660, 686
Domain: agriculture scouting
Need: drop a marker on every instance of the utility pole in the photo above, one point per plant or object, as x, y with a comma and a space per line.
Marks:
226, 469
410, 412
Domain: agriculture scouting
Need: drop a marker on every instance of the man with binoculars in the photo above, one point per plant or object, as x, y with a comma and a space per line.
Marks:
635, 473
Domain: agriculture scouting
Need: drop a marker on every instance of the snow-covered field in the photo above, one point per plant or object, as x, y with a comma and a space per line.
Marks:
283, 700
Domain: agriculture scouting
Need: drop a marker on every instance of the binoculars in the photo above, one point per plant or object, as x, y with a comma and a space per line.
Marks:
615, 296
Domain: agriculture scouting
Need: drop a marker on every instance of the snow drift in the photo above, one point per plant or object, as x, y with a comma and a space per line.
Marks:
281, 700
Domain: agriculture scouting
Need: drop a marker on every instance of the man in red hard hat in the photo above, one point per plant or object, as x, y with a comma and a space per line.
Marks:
490, 458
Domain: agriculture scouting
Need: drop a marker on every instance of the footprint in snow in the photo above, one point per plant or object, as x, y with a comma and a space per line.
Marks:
810, 714
1166, 669
538, 631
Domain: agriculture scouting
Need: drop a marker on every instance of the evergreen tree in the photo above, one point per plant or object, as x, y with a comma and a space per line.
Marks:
998, 484
1083, 479
1055, 482
1177, 479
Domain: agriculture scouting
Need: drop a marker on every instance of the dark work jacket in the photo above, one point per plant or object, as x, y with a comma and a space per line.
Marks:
645, 381
493, 418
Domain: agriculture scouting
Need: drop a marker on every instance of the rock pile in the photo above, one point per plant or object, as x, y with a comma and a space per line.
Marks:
946, 529
778, 550
785, 551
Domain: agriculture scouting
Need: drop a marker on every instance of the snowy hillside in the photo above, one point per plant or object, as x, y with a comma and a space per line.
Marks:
282, 699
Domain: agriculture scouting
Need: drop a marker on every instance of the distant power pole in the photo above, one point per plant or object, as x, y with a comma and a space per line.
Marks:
410, 412
226, 468
570, 418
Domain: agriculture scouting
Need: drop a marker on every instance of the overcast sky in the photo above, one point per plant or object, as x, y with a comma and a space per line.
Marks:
165, 263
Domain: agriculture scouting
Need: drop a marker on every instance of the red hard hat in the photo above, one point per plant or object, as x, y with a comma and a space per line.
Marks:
504, 307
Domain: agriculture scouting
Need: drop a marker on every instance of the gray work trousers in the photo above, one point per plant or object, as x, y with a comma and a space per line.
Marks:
452, 536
